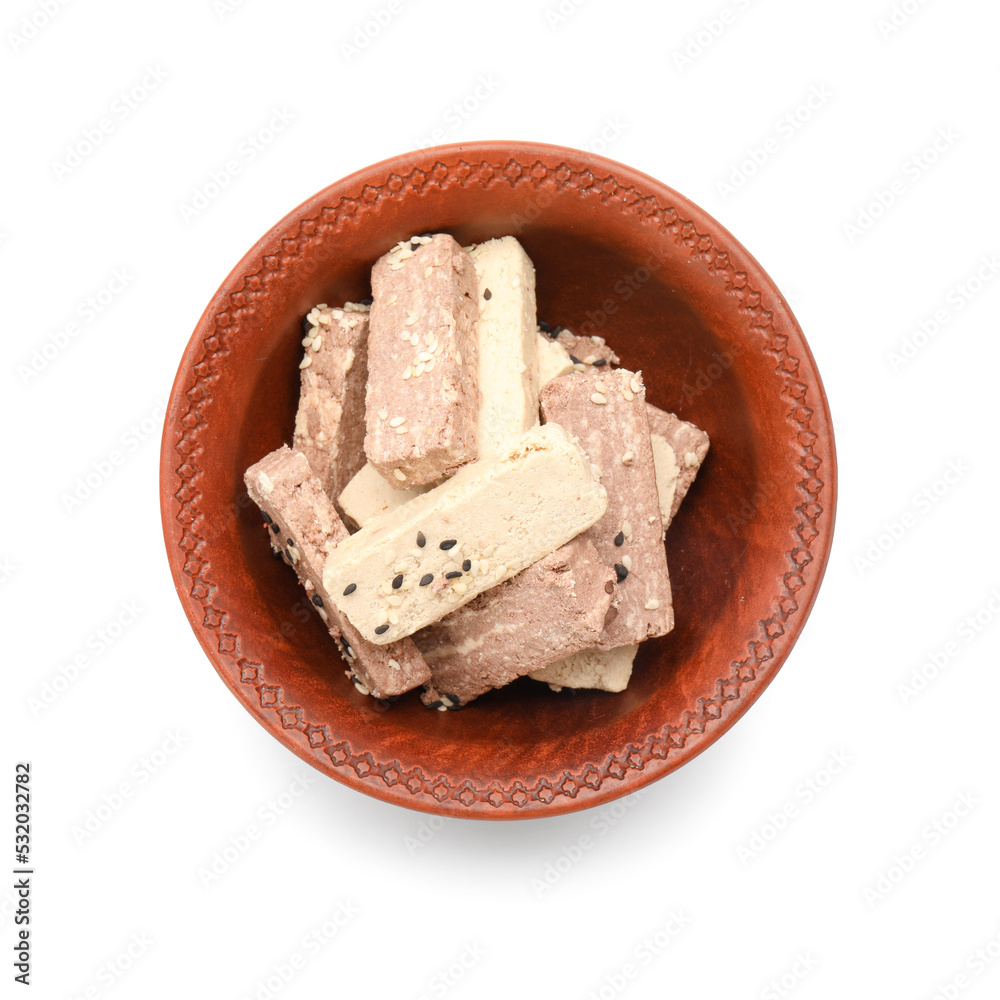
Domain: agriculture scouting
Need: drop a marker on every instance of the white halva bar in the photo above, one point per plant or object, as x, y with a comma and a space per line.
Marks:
368, 496
551, 360
506, 342
603, 669
414, 565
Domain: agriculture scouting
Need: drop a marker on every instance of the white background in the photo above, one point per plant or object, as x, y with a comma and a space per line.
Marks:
821, 908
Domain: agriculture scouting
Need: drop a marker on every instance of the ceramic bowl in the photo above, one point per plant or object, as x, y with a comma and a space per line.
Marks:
617, 254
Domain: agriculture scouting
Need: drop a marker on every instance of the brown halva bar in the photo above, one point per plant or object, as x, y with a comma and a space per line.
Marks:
304, 527
606, 411
423, 397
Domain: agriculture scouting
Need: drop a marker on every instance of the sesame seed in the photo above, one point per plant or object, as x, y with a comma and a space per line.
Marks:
399, 567
429, 367
394, 664
544, 327
452, 576
397, 581
484, 566
487, 295
382, 629
599, 385
627, 458
627, 562
396, 421
396, 266
305, 362
652, 605
411, 318
392, 298
628, 396
590, 359
448, 543
467, 565
460, 588
690, 458
405, 336
599, 399
627, 528
424, 356
609, 588
421, 539
385, 587
267, 517
489, 550
317, 600
426, 579
394, 601
619, 538
442, 708
427, 271
407, 372
458, 358
383, 617
419, 370
621, 571
575, 359
317, 343
383, 414
361, 687
636, 385
600, 361
399, 474
393, 618
307, 341
323, 614
276, 529
402, 430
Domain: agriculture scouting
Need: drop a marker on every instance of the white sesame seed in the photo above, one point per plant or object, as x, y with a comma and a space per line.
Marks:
460, 588
416, 552
424, 356
305, 362
590, 359
383, 414
317, 343
441, 708
429, 367
394, 664
418, 370
489, 550
307, 341
402, 430
323, 614
410, 320
458, 358
401, 567
628, 396
626, 529
397, 266
399, 474
636, 385
392, 298
690, 458
393, 618
382, 617
627, 458
361, 687
599, 399
580, 367
405, 336
396, 421
484, 565
599, 385
474, 568
438, 349
627, 561
427, 271
326, 319
652, 604
499, 572
386, 587
394, 601
390, 557
407, 372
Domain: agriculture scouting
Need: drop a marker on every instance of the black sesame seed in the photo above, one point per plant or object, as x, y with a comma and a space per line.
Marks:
306, 325
487, 295
424, 580
467, 565
391, 698
317, 600
397, 581
289, 542
434, 705
600, 361
367, 301
267, 517
457, 707
620, 538
621, 571
349, 589
559, 329
277, 553
575, 360
421, 540
381, 629
414, 246
452, 576
544, 327
449, 543
276, 529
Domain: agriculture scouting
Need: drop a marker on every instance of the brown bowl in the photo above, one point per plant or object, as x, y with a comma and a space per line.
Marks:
619, 254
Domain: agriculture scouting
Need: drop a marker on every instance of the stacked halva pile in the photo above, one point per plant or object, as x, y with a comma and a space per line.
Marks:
509, 487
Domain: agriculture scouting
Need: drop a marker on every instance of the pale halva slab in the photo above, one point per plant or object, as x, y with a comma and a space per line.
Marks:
368, 496
548, 611
551, 360
606, 411
304, 526
507, 331
408, 568
423, 398
330, 420
603, 669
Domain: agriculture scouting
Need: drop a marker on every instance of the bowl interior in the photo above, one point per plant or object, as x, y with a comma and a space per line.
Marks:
677, 298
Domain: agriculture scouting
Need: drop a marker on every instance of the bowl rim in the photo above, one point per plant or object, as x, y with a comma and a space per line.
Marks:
702, 728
